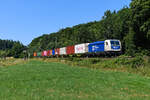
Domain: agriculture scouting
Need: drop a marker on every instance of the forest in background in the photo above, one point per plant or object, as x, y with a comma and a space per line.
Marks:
130, 24
10, 48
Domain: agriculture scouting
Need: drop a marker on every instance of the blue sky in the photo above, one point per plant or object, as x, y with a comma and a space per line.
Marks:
25, 20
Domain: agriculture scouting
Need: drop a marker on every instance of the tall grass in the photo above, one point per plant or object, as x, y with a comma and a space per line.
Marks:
139, 64
12, 61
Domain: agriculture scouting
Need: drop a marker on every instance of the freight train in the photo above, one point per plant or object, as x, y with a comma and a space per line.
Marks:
108, 47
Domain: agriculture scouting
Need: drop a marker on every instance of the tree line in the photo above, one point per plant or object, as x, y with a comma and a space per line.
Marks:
9, 48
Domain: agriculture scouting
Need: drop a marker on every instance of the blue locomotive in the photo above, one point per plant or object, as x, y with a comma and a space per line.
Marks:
111, 46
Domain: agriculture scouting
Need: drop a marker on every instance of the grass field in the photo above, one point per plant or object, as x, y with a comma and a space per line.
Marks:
37, 80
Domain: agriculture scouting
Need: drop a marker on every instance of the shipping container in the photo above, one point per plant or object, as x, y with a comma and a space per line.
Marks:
70, 50
81, 48
53, 52
34, 54
63, 51
45, 53
96, 47
42, 53
57, 51
39, 54
48, 52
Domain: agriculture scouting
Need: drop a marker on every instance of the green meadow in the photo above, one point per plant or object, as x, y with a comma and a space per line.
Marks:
38, 80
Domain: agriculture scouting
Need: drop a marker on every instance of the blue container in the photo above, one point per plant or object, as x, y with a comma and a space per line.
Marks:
53, 52
96, 47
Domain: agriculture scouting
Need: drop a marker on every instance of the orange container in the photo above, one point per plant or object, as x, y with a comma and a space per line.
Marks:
50, 52
34, 54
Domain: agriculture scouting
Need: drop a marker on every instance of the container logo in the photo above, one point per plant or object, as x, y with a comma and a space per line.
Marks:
94, 48
115, 47
80, 48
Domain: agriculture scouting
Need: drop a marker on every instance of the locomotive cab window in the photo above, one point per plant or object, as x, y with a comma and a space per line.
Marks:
115, 43
106, 43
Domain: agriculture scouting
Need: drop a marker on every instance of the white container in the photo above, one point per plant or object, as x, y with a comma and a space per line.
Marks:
81, 48
63, 51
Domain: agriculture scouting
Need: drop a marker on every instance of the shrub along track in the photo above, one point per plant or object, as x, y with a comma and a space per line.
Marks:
139, 65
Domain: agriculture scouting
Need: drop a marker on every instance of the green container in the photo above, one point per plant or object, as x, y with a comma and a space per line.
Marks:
39, 54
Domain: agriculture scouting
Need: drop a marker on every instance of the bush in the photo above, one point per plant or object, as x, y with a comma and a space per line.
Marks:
94, 61
137, 62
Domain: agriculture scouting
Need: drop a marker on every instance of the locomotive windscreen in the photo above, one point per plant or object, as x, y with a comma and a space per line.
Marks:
115, 43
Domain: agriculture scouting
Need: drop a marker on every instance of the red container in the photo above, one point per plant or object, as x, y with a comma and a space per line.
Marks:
42, 53
57, 51
48, 53
34, 54
70, 50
